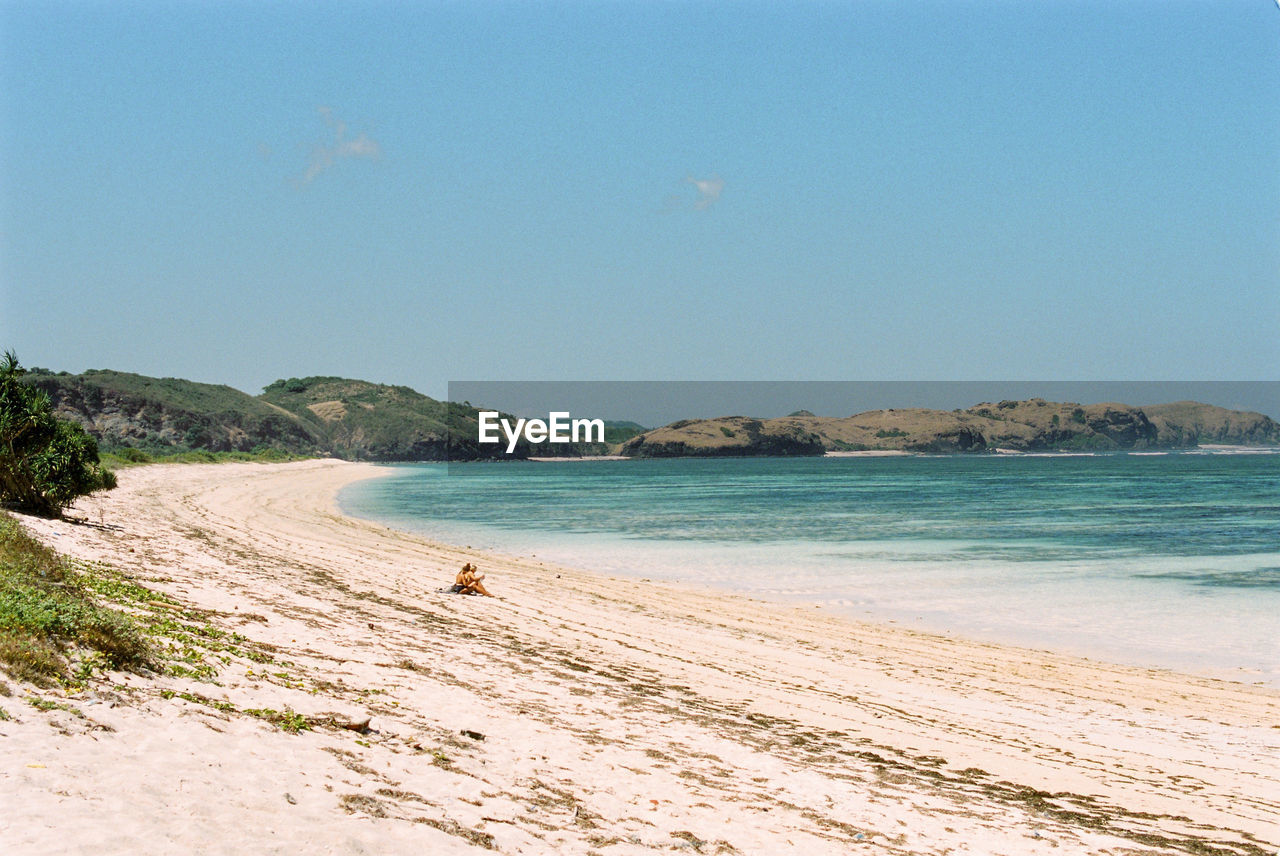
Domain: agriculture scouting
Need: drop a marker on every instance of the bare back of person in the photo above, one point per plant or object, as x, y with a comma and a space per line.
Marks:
469, 581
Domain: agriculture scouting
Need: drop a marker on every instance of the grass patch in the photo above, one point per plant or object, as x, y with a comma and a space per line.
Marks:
195, 649
224, 706
128, 457
49, 610
48, 705
288, 720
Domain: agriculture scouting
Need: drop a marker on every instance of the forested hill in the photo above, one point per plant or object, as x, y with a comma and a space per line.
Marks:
161, 414
376, 422
345, 418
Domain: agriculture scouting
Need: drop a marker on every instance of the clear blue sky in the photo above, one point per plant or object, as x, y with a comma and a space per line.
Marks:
418, 193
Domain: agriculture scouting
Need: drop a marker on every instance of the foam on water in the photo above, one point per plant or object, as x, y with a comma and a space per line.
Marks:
1169, 560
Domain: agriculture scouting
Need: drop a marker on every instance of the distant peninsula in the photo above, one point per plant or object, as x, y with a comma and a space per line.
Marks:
1034, 425
359, 420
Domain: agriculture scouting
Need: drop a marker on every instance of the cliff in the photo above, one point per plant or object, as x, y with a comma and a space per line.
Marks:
1190, 423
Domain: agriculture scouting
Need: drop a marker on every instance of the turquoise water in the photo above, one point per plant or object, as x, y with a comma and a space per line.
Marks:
1167, 560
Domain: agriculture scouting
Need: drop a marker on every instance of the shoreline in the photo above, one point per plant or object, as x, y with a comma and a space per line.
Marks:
619, 715
1076, 620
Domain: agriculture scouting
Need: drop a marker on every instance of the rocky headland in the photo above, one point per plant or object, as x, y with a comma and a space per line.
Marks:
1033, 425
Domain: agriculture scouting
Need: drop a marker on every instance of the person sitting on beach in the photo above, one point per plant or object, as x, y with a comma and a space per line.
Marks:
468, 581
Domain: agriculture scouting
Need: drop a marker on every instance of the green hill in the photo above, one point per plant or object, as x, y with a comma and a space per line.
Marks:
164, 414
311, 416
621, 431
377, 422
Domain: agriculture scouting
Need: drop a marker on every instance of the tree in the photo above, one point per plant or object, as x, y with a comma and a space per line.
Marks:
45, 462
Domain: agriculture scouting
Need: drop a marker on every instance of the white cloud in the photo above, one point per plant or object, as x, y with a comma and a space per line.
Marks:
709, 190
328, 153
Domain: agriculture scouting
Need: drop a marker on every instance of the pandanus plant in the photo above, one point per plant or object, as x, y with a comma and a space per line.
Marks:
45, 462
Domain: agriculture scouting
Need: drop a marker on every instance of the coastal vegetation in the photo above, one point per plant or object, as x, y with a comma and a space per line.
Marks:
359, 420
45, 462
51, 614
130, 457
64, 622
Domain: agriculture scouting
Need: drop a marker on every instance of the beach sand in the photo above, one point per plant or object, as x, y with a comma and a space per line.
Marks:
605, 715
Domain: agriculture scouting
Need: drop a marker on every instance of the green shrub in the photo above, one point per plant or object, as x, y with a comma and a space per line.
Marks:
1089, 443
293, 384
195, 437
45, 462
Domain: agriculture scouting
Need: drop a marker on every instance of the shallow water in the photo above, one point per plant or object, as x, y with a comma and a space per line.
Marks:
1167, 560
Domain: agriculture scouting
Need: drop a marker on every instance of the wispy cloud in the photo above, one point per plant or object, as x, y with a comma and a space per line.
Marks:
340, 147
709, 190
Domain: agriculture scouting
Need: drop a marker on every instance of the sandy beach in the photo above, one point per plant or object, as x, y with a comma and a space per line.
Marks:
579, 713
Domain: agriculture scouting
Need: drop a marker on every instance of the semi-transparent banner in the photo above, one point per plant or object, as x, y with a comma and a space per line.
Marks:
521, 420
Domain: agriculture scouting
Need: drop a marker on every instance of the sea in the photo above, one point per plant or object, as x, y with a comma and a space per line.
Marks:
1167, 560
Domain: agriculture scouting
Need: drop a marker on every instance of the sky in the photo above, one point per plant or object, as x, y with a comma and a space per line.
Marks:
419, 193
